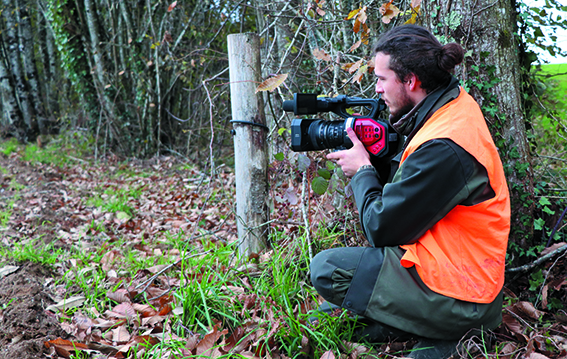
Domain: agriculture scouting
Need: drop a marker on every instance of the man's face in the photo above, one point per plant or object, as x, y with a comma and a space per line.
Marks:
393, 92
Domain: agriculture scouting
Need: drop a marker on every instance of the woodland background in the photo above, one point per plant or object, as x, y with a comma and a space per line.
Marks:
116, 85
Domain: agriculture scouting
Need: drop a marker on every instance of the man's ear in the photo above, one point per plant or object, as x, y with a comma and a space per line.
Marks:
413, 82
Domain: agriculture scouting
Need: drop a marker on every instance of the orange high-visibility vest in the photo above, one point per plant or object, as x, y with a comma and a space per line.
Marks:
463, 255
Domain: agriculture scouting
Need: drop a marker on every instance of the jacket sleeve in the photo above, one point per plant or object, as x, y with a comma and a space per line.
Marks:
431, 181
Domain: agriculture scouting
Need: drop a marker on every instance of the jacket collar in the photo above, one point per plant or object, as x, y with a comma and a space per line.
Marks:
411, 122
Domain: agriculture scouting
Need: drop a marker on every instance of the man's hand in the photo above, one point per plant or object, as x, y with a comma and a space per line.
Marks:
352, 159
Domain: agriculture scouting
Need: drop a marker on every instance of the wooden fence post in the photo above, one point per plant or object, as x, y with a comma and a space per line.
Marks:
250, 147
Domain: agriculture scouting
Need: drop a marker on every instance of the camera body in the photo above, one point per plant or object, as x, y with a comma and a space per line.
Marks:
378, 137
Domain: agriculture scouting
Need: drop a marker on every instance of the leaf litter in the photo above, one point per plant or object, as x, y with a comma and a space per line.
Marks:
51, 207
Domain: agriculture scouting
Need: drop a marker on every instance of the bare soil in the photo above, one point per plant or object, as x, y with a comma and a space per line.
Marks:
24, 324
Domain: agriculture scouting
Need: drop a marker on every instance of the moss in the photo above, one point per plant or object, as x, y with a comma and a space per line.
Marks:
504, 38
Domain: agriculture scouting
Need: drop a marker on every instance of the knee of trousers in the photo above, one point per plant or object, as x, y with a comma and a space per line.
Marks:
321, 271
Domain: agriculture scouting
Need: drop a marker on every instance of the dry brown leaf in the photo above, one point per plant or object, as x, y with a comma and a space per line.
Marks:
552, 248
120, 295
122, 310
64, 304
120, 335
388, 12
321, 55
355, 66
147, 340
328, 355
512, 323
172, 6
355, 46
207, 345
144, 309
526, 310
8, 269
65, 347
535, 355
362, 17
508, 349
272, 83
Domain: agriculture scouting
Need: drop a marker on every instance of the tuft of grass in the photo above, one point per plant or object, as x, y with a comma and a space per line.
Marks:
9, 146
116, 200
33, 251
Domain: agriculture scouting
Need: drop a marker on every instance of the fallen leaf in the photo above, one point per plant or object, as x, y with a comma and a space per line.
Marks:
120, 295
535, 355
512, 323
122, 310
552, 248
526, 310
207, 344
65, 347
71, 302
120, 334
7, 270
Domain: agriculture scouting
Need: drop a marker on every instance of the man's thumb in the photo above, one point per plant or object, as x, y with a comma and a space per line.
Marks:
352, 135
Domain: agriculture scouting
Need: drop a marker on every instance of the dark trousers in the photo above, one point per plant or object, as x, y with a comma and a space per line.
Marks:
371, 283
331, 274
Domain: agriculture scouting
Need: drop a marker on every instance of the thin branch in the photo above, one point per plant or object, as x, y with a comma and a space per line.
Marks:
149, 281
527, 267
211, 105
547, 76
305, 209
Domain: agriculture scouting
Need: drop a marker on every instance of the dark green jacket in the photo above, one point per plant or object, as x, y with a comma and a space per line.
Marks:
433, 180
399, 210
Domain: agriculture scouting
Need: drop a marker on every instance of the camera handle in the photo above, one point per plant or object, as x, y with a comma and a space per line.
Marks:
310, 104
341, 103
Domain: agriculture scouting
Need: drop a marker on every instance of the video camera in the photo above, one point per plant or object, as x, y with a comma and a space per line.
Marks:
378, 137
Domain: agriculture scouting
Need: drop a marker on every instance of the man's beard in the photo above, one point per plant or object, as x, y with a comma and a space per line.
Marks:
406, 106
401, 120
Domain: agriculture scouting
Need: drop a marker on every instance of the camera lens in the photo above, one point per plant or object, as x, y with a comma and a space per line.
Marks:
326, 134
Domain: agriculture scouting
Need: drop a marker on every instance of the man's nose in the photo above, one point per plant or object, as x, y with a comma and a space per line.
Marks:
379, 88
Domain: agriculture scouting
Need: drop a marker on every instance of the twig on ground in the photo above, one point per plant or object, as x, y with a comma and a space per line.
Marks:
539, 261
149, 281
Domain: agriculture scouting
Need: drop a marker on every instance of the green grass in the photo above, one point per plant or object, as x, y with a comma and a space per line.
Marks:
9, 146
553, 79
116, 200
552, 69
548, 116
33, 251
269, 299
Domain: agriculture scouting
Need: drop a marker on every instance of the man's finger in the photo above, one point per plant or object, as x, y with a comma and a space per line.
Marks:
352, 135
335, 155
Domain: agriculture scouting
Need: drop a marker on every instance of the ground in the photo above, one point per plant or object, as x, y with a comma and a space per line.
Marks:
24, 323
45, 205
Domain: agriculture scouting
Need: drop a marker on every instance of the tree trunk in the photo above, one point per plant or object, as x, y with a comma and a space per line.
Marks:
11, 120
492, 73
28, 60
13, 54
98, 59
48, 58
